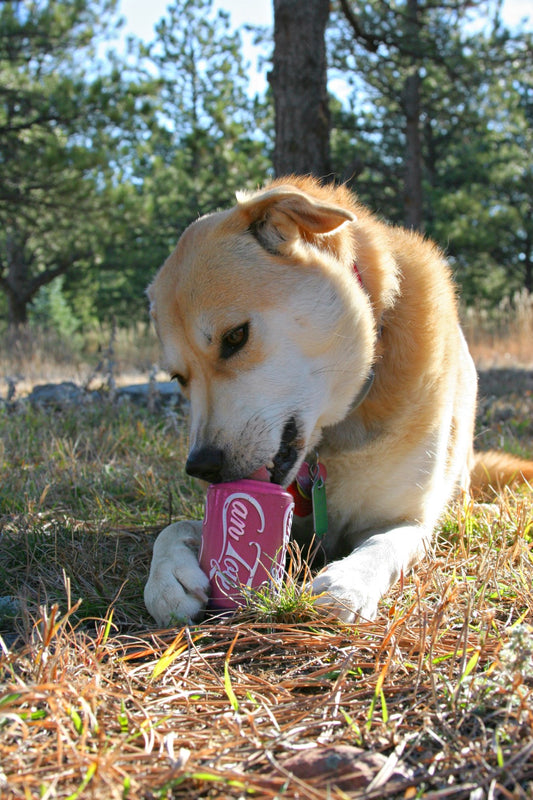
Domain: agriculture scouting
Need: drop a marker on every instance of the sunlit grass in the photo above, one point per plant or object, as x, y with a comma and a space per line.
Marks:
96, 702
441, 681
83, 491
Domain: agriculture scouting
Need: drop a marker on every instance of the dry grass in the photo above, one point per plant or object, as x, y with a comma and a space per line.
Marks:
440, 684
432, 700
36, 355
501, 337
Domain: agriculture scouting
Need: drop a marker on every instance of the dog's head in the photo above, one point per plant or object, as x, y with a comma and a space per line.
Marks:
266, 329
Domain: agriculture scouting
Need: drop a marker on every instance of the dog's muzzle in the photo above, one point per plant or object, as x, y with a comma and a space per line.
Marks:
210, 463
206, 463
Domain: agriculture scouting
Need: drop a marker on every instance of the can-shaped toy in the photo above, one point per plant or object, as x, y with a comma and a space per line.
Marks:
245, 534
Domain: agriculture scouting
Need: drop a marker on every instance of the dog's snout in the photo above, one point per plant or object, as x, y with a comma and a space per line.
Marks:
205, 463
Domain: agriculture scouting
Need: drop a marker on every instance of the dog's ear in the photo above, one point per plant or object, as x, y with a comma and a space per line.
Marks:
282, 213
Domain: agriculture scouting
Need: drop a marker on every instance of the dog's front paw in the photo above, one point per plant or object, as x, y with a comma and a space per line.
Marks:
177, 589
346, 593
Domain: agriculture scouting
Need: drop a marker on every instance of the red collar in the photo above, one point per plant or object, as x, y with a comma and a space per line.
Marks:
301, 489
357, 274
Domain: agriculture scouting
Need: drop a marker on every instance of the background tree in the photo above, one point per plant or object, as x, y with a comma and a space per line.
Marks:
207, 144
299, 86
469, 129
481, 189
395, 47
60, 124
104, 162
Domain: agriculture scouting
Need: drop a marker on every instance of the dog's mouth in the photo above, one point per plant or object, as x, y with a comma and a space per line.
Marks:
285, 458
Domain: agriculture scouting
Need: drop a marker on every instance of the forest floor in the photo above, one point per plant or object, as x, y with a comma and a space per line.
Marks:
432, 699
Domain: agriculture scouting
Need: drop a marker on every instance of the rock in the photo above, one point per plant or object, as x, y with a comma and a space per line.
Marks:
165, 394
344, 766
9, 606
141, 392
57, 394
504, 380
61, 395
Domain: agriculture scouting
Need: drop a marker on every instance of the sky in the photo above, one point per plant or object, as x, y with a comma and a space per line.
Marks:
141, 17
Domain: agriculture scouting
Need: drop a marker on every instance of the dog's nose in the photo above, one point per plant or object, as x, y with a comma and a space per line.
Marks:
205, 463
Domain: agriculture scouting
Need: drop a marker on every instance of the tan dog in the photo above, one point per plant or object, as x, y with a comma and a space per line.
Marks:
273, 316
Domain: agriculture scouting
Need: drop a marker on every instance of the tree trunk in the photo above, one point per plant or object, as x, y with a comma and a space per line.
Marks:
299, 85
17, 281
528, 266
413, 196
13, 281
17, 313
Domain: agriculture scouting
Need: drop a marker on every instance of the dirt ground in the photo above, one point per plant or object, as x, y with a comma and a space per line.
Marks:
505, 380
505, 410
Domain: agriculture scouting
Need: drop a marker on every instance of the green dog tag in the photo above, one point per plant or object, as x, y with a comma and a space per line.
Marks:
320, 510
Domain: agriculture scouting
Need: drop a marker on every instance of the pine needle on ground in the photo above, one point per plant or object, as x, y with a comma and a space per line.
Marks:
433, 699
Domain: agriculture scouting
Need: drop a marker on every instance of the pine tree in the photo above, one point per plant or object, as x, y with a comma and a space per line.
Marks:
441, 122
60, 120
209, 145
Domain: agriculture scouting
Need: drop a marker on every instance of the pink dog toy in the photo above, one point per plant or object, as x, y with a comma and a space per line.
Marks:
245, 533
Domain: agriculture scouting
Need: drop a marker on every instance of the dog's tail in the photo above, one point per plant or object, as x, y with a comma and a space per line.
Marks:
492, 471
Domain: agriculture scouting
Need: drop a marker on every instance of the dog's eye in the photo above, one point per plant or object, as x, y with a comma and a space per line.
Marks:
180, 379
234, 340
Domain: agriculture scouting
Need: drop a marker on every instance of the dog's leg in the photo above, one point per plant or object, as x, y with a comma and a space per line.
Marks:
354, 585
177, 589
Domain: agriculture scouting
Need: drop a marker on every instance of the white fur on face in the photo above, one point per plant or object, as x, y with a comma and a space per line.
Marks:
308, 372
311, 338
